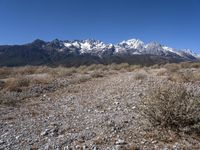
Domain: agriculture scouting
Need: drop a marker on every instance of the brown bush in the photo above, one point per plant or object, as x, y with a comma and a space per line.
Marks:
161, 72
62, 71
81, 79
42, 80
179, 77
97, 74
14, 84
5, 72
185, 76
172, 67
195, 65
140, 76
172, 106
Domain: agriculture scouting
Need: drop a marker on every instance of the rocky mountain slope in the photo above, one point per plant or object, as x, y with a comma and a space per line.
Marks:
79, 52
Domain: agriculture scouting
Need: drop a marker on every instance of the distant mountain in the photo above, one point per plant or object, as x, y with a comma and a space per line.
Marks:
85, 52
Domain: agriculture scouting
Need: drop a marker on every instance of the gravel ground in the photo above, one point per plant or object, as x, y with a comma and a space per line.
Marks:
100, 114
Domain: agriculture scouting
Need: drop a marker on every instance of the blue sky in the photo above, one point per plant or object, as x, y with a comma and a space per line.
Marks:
175, 23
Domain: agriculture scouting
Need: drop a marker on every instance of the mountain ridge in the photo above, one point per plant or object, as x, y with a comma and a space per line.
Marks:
67, 52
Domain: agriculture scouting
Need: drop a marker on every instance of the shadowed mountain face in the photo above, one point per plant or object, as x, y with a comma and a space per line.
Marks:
86, 52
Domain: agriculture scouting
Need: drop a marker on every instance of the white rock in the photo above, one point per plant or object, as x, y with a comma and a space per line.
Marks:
120, 142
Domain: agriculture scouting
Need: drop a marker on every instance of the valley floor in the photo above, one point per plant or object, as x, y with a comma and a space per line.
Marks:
101, 113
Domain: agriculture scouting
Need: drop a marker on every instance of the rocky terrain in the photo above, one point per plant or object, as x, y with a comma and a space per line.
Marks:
91, 111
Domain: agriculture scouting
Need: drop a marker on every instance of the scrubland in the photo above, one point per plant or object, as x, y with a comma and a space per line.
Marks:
117, 106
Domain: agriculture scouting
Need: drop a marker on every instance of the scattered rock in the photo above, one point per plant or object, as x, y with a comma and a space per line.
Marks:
1, 142
120, 142
46, 132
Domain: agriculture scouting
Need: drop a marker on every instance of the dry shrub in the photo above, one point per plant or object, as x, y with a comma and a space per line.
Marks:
24, 70
190, 65
97, 74
140, 76
15, 84
42, 69
82, 79
185, 64
118, 66
123, 66
82, 69
156, 66
172, 67
133, 68
5, 72
94, 67
179, 77
42, 80
2, 84
62, 71
161, 72
185, 76
172, 106
195, 65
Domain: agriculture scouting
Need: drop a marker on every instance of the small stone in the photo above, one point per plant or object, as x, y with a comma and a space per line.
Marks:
67, 148
120, 142
78, 147
116, 103
17, 137
120, 147
140, 94
176, 146
133, 107
44, 133
85, 147
1, 142
94, 147
154, 142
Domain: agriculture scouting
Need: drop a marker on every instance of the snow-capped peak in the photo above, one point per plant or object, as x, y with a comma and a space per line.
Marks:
127, 47
132, 43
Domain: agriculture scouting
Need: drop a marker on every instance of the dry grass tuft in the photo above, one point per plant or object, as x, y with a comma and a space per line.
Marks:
172, 67
184, 76
172, 106
62, 71
140, 76
161, 72
15, 84
5, 72
97, 74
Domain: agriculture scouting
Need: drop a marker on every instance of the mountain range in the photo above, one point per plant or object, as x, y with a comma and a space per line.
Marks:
86, 52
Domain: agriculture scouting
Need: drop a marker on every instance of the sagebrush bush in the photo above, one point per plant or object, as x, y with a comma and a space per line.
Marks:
62, 71
180, 77
140, 76
172, 67
161, 72
15, 84
172, 106
185, 76
97, 74
5, 72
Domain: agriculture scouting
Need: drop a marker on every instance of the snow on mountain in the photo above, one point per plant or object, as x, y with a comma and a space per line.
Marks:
126, 47
132, 44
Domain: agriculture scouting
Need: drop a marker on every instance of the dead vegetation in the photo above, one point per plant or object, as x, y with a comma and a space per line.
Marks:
24, 79
15, 84
140, 76
167, 96
173, 106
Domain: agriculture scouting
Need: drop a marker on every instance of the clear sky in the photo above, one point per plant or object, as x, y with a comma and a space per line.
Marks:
175, 23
